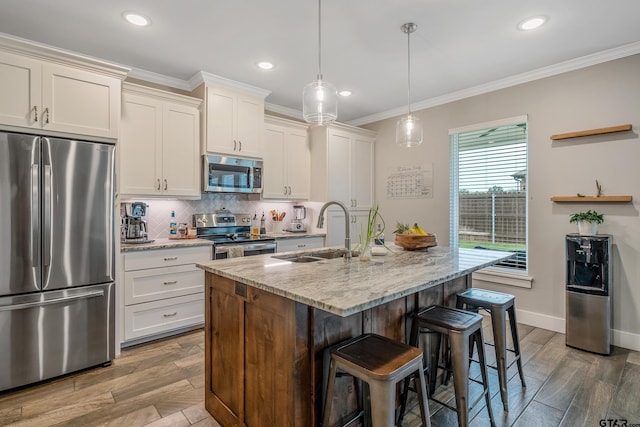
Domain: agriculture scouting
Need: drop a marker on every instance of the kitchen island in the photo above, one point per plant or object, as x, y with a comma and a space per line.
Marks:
268, 322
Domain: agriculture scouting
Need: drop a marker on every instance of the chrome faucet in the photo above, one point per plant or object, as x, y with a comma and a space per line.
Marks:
347, 239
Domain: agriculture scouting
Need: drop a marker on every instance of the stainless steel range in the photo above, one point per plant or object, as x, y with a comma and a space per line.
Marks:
231, 234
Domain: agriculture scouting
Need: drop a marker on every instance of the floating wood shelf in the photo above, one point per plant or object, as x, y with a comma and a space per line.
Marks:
600, 131
591, 199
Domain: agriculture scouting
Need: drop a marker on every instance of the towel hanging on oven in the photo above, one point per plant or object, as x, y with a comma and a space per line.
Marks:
235, 251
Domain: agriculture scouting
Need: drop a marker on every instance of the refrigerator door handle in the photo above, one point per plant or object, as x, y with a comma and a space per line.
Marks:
35, 229
47, 217
39, 302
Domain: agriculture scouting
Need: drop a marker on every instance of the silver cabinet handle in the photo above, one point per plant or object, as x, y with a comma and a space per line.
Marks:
158, 184
170, 258
235, 145
46, 111
284, 190
165, 185
35, 113
239, 145
170, 282
302, 245
170, 314
289, 190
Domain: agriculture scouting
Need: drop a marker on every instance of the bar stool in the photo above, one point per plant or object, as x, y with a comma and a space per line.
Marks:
381, 363
498, 304
460, 328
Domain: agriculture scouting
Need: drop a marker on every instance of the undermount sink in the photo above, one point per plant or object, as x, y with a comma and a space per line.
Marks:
319, 255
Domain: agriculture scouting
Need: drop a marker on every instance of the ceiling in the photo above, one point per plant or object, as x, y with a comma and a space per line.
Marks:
461, 47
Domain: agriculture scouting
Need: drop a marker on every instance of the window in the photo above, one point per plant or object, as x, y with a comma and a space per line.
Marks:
489, 189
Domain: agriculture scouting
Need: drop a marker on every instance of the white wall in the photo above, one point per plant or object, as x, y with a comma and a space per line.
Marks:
598, 96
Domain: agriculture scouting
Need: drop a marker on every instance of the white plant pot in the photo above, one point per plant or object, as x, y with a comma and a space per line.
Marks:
587, 228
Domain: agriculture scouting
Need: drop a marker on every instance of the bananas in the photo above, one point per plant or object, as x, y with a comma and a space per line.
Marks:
415, 230
419, 231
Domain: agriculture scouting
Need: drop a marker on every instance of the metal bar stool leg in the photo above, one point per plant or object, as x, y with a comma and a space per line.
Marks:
499, 323
383, 393
516, 342
459, 353
479, 341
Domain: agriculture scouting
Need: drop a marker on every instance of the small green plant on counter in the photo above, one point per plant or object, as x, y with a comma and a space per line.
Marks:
368, 235
588, 216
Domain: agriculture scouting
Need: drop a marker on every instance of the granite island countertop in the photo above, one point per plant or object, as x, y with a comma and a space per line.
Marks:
347, 287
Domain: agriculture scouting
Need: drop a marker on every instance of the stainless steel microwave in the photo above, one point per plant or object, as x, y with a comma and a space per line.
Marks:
222, 174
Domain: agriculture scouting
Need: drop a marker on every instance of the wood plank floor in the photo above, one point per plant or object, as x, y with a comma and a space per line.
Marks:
161, 384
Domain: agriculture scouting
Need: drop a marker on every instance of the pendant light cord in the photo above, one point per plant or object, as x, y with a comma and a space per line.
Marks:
409, 70
319, 39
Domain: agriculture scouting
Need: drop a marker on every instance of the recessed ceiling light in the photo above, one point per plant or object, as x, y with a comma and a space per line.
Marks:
532, 23
136, 19
344, 93
265, 65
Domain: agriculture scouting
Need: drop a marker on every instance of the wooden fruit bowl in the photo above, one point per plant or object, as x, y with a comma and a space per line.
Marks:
414, 242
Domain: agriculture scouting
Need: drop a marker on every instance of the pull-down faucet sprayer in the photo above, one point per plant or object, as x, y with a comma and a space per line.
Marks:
347, 239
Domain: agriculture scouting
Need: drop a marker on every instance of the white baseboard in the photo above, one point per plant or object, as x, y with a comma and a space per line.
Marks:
626, 340
622, 339
556, 324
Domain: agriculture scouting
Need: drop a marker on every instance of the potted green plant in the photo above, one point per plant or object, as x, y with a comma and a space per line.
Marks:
587, 222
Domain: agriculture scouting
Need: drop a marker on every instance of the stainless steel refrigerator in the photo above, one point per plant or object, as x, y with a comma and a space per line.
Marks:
56, 257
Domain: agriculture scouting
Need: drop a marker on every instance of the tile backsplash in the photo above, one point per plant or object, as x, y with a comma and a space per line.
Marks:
159, 211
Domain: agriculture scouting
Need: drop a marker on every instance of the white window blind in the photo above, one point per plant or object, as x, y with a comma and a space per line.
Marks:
489, 190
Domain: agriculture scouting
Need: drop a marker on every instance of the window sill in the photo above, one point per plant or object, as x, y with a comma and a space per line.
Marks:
494, 275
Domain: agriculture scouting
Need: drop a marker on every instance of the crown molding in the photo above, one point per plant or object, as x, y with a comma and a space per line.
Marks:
37, 50
212, 79
290, 112
529, 76
160, 79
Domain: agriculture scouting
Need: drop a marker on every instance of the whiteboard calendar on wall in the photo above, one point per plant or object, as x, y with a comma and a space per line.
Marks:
409, 182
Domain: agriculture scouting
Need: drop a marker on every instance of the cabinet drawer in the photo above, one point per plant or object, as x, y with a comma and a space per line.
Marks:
166, 257
299, 244
162, 316
161, 283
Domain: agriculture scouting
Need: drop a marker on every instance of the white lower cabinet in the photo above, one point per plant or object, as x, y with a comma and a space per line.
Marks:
299, 243
163, 290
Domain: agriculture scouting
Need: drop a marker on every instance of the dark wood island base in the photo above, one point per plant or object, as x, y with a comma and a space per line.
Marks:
264, 353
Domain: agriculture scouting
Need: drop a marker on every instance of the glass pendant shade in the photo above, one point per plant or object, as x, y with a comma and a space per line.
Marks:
409, 128
319, 102
409, 131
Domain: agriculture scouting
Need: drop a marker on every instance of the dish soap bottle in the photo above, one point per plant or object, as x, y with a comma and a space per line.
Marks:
172, 224
263, 229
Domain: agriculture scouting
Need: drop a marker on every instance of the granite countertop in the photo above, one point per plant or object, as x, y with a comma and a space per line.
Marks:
347, 287
164, 244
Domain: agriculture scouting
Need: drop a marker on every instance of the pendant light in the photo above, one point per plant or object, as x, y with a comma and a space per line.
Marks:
409, 128
319, 98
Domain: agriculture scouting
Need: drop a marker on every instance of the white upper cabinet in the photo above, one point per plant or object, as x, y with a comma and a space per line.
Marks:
342, 165
286, 160
47, 90
159, 147
233, 117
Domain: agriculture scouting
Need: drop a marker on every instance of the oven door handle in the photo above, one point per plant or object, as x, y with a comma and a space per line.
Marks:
247, 247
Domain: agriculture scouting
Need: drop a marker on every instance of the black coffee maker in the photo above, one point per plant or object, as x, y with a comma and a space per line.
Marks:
133, 228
